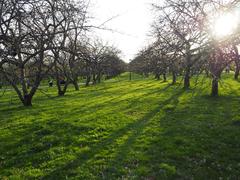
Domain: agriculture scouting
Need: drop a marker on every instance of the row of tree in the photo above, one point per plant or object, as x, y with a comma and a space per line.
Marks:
47, 38
185, 43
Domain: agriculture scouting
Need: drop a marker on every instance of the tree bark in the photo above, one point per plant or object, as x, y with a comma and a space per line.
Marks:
174, 78
75, 83
188, 68
99, 78
237, 62
236, 72
164, 77
62, 90
88, 80
214, 87
187, 78
157, 76
61, 93
27, 100
94, 79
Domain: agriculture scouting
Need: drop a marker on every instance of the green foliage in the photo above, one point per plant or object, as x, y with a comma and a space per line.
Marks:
166, 168
121, 129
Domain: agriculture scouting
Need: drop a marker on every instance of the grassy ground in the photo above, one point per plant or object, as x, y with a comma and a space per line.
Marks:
140, 129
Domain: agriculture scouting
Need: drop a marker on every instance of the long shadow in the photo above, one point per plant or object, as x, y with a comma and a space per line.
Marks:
123, 150
197, 141
136, 126
114, 102
59, 133
33, 134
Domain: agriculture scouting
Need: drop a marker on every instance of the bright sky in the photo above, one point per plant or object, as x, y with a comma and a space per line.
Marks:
132, 23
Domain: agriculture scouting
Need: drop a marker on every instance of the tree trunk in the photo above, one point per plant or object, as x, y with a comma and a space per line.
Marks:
174, 77
236, 72
76, 86
88, 80
164, 77
99, 78
27, 100
62, 90
61, 93
214, 86
94, 79
237, 62
187, 78
157, 76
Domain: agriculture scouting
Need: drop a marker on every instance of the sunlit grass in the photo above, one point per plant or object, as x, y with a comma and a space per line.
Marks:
123, 129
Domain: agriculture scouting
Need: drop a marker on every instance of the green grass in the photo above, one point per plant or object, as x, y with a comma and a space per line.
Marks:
121, 129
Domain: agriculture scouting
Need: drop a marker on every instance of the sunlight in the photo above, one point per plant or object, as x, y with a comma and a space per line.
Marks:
224, 25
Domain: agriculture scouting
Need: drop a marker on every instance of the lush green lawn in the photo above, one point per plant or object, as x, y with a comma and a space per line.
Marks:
140, 129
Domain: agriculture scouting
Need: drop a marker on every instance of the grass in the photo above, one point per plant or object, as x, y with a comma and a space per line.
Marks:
121, 129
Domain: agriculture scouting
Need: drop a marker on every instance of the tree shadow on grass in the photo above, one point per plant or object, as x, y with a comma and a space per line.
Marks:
121, 160
135, 127
198, 140
32, 141
110, 105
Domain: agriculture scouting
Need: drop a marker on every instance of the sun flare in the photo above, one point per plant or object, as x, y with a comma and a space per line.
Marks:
225, 25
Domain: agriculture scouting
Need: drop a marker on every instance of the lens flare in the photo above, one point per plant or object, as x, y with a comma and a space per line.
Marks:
225, 25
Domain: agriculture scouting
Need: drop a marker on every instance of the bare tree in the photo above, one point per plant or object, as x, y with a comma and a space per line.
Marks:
236, 60
185, 27
28, 32
25, 37
179, 26
67, 44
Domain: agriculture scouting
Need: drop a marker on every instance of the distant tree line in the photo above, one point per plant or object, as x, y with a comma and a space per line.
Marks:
185, 44
40, 39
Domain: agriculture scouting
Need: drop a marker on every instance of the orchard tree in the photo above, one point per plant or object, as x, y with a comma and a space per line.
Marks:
25, 26
28, 30
101, 59
187, 28
141, 64
67, 44
222, 46
112, 65
236, 60
178, 24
